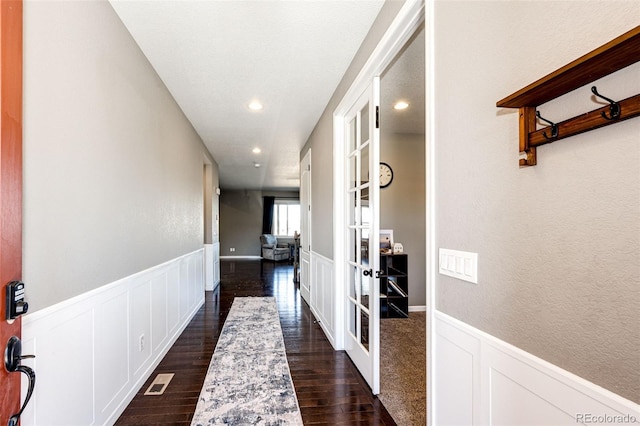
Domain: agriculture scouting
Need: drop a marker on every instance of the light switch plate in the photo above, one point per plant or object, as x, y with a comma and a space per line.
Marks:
459, 264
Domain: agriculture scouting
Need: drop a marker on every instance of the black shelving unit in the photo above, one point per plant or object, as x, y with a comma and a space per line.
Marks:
394, 286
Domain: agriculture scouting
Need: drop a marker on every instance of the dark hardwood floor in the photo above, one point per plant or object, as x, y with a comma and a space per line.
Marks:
329, 388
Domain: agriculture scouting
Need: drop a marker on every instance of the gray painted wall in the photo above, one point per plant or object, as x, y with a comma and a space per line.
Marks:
402, 204
241, 220
113, 171
558, 243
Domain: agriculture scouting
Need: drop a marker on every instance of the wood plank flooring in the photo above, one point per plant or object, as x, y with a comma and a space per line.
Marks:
329, 388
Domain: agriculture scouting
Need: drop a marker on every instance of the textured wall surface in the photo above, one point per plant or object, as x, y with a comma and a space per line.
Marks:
558, 243
402, 204
113, 171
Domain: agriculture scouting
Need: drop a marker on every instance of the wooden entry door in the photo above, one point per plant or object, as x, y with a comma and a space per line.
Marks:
10, 186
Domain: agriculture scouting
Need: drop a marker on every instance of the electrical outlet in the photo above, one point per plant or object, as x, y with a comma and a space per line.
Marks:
232, 249
141, 341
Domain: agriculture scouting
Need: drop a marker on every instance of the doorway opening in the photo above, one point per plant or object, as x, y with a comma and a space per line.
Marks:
403, 211
408, 22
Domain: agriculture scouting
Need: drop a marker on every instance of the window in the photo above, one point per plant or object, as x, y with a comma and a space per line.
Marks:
286, 217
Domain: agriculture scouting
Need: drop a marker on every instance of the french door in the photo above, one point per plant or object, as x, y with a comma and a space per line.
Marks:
362, 328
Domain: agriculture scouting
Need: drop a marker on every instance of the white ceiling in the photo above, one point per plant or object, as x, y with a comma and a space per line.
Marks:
216, 56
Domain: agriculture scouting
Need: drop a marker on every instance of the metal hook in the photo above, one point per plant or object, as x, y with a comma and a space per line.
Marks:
614, 107
554, 127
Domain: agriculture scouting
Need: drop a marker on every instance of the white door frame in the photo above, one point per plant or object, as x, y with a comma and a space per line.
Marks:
407, 22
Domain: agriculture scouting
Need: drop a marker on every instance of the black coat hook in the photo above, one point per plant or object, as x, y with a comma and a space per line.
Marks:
614, 107
554, 127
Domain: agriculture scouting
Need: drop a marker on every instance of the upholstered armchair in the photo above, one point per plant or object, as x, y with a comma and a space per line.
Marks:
273, 250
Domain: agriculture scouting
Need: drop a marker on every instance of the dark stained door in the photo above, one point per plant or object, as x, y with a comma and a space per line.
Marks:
10, 185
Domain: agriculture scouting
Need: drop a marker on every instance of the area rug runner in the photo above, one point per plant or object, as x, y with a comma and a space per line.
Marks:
248, 381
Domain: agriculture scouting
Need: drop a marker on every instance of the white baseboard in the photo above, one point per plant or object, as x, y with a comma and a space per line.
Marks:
482, 380
94, 351
418, 308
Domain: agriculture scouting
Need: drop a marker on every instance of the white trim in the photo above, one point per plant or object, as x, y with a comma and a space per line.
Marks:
418, 308
430, 185
209, 253
483, 380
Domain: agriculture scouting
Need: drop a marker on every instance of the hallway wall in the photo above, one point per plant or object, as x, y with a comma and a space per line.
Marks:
557, 243
402, 205
113, 171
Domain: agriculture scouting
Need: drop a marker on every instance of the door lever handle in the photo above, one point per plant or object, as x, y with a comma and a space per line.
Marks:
12, 357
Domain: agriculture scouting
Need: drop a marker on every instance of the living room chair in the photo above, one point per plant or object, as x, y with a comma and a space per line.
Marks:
272, 250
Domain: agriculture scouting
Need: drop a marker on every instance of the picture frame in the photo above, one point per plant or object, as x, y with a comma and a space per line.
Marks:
386, 240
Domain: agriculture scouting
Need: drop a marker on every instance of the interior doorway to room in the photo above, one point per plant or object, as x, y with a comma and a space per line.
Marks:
402, 210
348, 184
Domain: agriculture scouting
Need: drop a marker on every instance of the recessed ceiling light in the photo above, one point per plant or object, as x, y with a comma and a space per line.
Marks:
256, 165
256, 150
255, 106
401, 105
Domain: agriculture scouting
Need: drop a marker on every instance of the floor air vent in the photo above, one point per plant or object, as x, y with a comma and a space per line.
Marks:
159, 384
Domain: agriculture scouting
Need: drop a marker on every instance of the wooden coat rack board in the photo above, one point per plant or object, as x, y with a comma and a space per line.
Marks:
609, 58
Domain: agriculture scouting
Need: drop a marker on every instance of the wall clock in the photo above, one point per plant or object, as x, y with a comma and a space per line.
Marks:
386, 175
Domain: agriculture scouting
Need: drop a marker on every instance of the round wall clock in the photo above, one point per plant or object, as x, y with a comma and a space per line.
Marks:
386, 175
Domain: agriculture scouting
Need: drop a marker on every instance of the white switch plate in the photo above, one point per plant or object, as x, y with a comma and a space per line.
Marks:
459, 264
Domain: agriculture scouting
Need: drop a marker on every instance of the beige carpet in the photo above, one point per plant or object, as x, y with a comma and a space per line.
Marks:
403, 368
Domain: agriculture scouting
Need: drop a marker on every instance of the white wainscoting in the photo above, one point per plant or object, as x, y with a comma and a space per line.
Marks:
216, 264
94, 351
305, 276
211, 266
322, 286
481, 380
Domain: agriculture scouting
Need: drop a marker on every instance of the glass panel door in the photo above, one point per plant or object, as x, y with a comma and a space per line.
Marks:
362, 189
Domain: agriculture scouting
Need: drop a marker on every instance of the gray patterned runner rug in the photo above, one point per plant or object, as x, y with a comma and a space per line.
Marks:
248, 382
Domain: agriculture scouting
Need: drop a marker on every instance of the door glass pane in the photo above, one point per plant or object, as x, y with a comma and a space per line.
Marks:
364, 165
353, 200
364, 124
353, 171
353, 281
365, 283
364, 329
364, 247
353, 242
352, 135
353, 315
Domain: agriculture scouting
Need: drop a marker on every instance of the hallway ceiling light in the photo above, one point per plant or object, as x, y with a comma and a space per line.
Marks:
401, 105
256, 165
255, 106
256, 150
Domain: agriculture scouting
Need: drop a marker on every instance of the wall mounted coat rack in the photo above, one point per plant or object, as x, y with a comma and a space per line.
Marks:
608, 58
